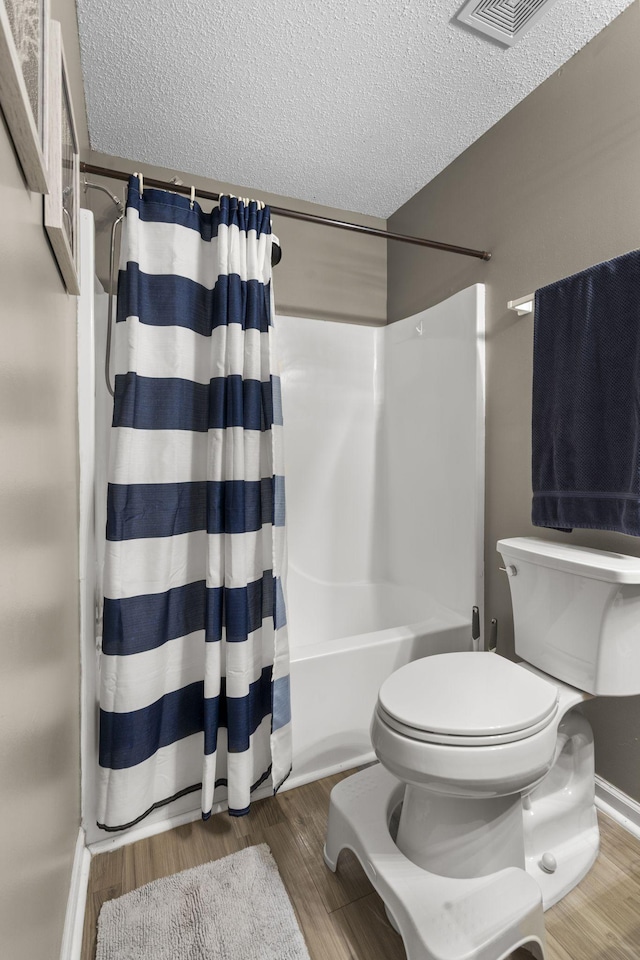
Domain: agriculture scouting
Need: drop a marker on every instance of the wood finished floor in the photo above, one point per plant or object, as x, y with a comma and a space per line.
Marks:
340, 915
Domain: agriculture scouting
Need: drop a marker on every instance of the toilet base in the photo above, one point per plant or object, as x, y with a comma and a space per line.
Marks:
439, 918
575, 858
552, 832
458, 837
559, 816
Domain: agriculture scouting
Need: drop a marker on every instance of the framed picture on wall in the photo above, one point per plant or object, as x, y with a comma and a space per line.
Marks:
62, 202
23, 69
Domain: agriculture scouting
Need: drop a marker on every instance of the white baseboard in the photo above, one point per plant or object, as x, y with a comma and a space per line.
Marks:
114, 840
618, 805
299, 780
74, 918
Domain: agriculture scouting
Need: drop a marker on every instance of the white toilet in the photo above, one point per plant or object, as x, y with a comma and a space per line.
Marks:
489, 764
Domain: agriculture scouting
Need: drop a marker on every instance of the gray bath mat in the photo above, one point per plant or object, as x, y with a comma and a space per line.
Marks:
235, 908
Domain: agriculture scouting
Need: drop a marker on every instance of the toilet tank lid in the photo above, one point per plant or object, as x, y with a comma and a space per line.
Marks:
583, 561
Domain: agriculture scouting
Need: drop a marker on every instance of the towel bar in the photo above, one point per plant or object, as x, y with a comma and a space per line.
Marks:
522, 305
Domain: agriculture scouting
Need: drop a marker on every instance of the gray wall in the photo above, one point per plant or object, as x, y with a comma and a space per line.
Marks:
39, 679
325, 273
551, 189
39, 699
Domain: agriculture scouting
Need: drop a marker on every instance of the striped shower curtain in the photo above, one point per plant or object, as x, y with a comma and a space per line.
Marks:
195, 667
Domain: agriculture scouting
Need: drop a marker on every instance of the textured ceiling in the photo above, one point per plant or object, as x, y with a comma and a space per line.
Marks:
355, 104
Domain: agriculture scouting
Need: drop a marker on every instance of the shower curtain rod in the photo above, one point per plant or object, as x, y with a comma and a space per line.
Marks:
294, 214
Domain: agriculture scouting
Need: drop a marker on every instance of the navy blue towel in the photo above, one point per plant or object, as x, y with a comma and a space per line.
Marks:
586, 400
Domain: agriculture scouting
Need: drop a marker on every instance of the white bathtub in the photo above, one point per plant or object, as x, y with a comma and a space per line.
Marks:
345, 640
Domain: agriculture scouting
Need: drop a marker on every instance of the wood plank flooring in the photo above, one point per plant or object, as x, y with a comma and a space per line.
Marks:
342, 918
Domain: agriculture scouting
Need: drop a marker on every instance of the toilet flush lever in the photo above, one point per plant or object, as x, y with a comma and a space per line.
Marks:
510, 570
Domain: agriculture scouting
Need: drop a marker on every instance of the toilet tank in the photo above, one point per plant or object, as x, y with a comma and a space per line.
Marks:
576, 613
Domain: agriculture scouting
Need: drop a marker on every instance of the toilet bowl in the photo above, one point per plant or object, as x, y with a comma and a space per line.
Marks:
466, 725
493, 759
470, 735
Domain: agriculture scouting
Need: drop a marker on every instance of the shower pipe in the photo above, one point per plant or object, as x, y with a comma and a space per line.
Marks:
295, 214
112, 259
112, 280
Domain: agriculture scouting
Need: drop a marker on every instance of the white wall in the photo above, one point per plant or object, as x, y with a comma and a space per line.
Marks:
432, 454
384, 450
330, 403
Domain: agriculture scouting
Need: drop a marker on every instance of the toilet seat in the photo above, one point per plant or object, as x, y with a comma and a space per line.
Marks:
466, 699
453, 740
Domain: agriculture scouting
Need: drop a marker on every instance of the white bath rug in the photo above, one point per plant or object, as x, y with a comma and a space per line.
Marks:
235, 908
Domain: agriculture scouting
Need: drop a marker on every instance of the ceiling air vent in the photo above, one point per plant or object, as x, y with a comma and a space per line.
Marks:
503, 20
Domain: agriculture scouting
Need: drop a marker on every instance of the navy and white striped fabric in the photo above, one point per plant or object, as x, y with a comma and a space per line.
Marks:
195, 662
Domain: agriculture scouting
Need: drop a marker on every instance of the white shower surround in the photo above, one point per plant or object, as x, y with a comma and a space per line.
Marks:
384, 448
384, 453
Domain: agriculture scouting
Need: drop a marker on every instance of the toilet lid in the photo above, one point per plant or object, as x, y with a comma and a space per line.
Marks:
468, 695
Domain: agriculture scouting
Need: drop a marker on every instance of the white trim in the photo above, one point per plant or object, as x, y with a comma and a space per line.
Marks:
353, 763
16, 107
58, 95
480, 469
74, 918
114, 840
86, 362
619, 806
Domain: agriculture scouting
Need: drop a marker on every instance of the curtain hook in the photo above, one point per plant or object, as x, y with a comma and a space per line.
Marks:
140, 181
193, 197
